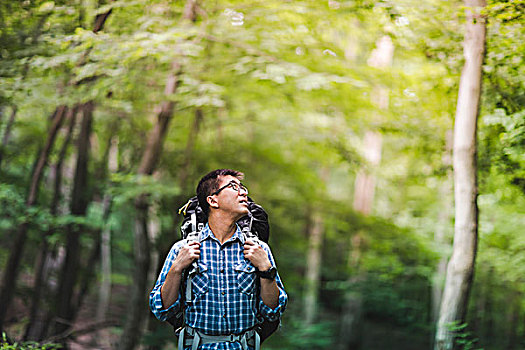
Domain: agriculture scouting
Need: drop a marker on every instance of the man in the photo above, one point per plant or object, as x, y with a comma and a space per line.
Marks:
226, 298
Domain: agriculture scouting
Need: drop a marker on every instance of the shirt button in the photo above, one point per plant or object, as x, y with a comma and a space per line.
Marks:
222, 270
223, 293
224, 315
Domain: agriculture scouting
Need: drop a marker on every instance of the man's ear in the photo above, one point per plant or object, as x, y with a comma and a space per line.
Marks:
212, 202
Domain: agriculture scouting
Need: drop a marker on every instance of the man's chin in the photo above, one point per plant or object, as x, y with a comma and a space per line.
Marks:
243, 212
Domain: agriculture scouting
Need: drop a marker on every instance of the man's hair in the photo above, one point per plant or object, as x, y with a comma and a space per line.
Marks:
210, 183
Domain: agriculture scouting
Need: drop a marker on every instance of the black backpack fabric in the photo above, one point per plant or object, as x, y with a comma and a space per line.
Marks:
254, 224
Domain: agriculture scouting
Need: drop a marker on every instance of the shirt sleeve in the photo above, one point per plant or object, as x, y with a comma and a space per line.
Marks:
277, 312
155, 301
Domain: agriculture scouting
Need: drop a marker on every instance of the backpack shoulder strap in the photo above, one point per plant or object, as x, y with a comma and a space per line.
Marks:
196, 234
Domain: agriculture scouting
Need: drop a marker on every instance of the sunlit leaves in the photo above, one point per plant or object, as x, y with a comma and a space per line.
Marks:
283, 89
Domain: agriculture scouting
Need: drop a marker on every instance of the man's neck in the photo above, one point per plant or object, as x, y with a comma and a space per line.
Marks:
222, 227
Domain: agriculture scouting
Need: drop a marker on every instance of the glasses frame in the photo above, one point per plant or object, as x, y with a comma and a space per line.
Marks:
232, 184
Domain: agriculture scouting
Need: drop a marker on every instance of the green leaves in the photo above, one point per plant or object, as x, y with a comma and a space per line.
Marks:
127, 187
28, 345
283, 89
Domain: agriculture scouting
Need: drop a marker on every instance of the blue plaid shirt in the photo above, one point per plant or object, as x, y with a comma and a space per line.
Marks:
225, 300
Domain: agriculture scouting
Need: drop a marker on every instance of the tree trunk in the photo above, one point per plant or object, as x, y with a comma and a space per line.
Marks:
513, 320
365, 181
99, 246
89, 268
80, 199
7, 133
35, 325
133, 326
488, 319
111, 159
104, 292
11, 270
105, 247
460, 268
440, 236
351, 322
313, 268
478, 297
154, 226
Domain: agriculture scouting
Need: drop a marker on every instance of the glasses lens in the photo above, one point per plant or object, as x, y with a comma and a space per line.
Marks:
238, 187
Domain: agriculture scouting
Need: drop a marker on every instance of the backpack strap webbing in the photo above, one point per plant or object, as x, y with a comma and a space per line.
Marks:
191, 337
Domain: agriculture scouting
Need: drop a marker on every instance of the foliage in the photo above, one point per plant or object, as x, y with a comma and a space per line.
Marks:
464, 339
28, 345
298, 336
283, 91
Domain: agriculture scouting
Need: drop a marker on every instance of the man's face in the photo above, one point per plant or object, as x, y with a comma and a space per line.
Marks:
234, 201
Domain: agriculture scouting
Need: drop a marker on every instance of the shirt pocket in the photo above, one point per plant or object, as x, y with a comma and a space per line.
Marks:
245, 273
200, 279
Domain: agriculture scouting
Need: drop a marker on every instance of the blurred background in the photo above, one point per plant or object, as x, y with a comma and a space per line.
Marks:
340, 114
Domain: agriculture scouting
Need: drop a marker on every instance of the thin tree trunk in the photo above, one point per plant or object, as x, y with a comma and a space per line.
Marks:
105, 285
313, 268
351, 321
80, 199
153, 234
478, 300
11, 270
315, 231
460, 268
35, 325
365, 181
94, 256
105, 248
488, 320
7, 132
513, 320
88, 276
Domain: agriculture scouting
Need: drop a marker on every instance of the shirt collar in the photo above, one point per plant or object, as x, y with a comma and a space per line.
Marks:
207, 233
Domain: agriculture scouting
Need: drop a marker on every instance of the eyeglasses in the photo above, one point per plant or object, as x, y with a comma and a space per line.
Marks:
234, 185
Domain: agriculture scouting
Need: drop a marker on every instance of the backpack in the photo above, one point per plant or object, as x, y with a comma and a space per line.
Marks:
254, 225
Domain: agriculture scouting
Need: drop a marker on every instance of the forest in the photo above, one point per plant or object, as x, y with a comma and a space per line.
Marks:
385, 139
